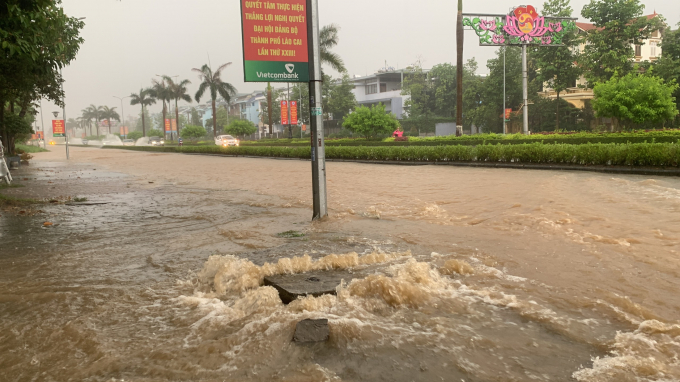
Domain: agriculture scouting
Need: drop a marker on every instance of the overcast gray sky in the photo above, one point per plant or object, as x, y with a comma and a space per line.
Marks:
128, 42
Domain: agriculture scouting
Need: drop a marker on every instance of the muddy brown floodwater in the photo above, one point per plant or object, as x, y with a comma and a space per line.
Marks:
467, 274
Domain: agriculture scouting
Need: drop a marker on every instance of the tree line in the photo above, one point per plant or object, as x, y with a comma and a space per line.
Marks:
607, 62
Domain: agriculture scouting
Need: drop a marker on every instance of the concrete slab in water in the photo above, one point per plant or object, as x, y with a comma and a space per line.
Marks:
311, 331
314, 284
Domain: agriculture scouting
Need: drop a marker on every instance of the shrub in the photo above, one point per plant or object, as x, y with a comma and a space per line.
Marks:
155, 133
371, 122
240, 127
134, 135
193, 132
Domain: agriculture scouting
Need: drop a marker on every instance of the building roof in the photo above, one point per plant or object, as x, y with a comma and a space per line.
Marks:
588, 26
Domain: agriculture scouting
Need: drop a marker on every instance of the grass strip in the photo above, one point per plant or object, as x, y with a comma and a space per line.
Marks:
627, 154
30, 148
11, 201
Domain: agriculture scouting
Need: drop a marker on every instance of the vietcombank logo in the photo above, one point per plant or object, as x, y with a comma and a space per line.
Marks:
290, 68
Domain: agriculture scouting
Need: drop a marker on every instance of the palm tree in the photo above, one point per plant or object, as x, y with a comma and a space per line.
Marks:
144, 98
82, 122
178, 91
160, 91
211, 81
328, 38
87, 117
93, 112
108, 114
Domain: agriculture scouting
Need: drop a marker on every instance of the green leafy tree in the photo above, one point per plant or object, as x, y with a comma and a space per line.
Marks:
489, 114
212, 82
341, 100
143, 98
556, 64
668, 65
195, 118
193, 132
156, 133
240, 128
135, 135
619, 24
37, 40
18, 128
178, 91
277, 96
371, 122
635, 99
418, 86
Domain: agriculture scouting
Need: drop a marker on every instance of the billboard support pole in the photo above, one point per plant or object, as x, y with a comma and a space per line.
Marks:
525, 129
316, 113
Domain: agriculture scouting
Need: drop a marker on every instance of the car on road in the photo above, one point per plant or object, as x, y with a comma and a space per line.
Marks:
156, 141
128, 142
84, 141
226, 140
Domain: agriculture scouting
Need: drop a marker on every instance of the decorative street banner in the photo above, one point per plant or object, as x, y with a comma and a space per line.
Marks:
284, 112
293, 113
167, 125
58, 128
123, 131
507, 114
522, 26
275, 40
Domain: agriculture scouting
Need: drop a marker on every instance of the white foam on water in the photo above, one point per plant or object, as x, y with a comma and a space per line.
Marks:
650, 353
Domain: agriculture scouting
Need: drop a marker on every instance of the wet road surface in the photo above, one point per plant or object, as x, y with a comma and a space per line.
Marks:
473, 274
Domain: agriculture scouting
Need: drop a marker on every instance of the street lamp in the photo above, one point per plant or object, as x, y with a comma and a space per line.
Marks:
122, 110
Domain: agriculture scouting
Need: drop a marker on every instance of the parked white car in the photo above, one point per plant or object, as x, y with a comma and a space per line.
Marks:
226, 140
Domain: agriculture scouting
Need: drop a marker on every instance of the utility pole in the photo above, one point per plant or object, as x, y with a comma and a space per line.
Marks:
459, 70
64, 113
122, 110
316, 113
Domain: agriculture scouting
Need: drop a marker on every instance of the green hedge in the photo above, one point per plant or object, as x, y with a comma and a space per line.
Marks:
629, 154
668, 136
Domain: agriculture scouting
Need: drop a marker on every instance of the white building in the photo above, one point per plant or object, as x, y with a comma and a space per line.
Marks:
383, 87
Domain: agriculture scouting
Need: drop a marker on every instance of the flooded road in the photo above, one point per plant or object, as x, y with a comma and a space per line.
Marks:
473, 274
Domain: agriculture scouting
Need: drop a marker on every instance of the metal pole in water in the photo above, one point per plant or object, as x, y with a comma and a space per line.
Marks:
316, 113
525, 129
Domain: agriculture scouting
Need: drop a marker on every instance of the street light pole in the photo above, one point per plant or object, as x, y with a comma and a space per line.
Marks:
122, 110
64, 113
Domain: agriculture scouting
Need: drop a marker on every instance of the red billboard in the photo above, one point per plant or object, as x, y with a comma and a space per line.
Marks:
275, 40
293, 113
284, 112
58, 128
